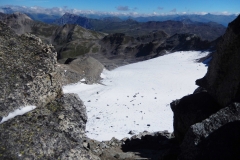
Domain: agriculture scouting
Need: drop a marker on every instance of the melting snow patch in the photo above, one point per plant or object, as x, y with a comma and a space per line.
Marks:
18, 112
82, 80
103, 75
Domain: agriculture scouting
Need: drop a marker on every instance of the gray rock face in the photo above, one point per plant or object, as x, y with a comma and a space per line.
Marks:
184, 42
206, 132
28, 71
50, 132
217, 137
157, 145
86, 67
28, 76
223, 76
190, 110
68, 18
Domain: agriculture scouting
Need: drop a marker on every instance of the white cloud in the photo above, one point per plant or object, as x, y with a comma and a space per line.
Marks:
222, 13
200, 13
62, 10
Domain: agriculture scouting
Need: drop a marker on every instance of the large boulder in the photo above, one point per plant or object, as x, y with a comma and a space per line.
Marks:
28, 71
191, 109
51, 132
83, 68
55, 129
222, 80
217, 137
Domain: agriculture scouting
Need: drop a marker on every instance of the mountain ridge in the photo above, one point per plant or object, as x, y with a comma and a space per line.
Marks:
48, 15
134, 28
72, 40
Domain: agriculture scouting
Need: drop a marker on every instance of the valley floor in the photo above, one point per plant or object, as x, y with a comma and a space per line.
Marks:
136, 97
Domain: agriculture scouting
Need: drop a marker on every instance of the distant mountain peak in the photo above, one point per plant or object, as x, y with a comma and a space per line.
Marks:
70, 14
21, 15
69, 18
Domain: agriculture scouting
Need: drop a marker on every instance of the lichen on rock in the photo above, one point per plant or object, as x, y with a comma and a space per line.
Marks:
29, 76
28, 71
47, 132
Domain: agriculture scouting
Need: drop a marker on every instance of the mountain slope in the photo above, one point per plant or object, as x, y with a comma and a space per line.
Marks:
122, 49
72, 41
69, 40
207, 31
220, 19
68, 18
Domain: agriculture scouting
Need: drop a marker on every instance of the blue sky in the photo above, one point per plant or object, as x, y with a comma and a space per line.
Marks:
136, 6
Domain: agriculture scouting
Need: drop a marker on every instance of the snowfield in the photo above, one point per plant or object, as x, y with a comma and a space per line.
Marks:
136, 97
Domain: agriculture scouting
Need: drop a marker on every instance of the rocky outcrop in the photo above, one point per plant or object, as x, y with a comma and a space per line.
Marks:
51, 132
28, 71
145, 145
223, 77
18, 22
191, 109
207, 127
72, 41
184, 42
29, 76
217, 137
86, 68
151, 45
153, 36
130, 49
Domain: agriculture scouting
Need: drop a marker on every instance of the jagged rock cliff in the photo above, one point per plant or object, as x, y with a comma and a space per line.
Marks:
126, 49
28, 76
28, 71
206, 123
223, 76
51, 132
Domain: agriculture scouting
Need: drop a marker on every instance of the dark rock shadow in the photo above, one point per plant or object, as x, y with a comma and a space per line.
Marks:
222, 144
160, 145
